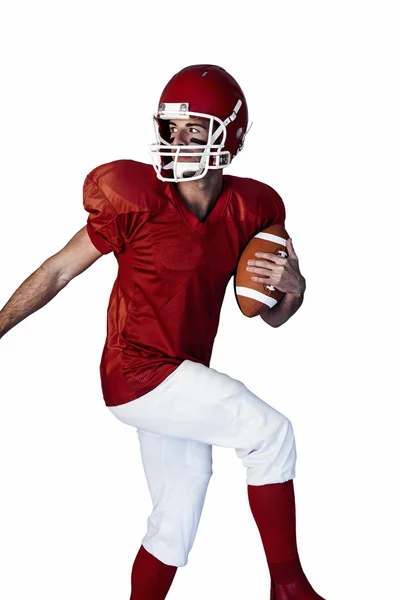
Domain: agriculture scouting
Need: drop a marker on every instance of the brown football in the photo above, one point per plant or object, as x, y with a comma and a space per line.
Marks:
252, 297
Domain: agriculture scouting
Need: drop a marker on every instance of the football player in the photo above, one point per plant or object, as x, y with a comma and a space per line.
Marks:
177, 228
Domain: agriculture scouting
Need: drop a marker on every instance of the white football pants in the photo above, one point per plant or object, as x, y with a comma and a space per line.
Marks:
177, 423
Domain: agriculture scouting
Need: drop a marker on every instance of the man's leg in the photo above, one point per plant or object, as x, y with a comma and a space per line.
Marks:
177, 473
273, 508
202, 404
151, 579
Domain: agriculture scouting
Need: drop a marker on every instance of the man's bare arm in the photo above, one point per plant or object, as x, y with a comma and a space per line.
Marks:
284, 310
51, 277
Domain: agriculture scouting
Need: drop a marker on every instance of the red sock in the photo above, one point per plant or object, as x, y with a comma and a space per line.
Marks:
151, 578
274, 511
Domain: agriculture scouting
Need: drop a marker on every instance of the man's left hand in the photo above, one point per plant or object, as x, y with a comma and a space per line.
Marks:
283, 273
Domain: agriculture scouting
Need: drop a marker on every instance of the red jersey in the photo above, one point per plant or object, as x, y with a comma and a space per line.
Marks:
173, 269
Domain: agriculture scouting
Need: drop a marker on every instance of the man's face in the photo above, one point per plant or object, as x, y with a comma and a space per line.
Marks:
193, 132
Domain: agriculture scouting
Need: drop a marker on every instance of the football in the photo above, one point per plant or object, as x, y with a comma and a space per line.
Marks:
253, 297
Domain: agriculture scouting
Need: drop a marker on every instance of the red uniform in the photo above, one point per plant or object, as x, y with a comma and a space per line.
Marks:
163, 317
173, 269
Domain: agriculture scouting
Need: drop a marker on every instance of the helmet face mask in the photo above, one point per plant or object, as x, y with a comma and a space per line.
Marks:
213, 95
211, 155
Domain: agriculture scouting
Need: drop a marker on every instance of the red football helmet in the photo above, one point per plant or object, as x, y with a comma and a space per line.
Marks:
202, 91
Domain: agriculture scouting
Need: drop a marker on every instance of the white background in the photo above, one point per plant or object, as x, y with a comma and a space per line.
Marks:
79, 84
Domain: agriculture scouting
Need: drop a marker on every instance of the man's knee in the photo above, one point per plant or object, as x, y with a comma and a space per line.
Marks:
286, 454
272, 457
287, 428
285, 434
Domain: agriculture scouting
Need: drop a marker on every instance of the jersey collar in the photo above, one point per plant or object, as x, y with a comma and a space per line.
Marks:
212, 218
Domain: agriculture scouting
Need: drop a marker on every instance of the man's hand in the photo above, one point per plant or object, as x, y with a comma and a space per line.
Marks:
282, 273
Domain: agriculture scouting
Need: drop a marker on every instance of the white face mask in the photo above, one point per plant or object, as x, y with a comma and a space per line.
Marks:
209, 152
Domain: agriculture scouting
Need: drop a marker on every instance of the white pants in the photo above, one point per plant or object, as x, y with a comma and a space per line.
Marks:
177, 423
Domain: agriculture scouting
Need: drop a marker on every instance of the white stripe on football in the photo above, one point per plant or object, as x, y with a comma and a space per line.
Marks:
249, 293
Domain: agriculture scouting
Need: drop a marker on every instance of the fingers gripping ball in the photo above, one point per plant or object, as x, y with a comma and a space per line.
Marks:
253, 297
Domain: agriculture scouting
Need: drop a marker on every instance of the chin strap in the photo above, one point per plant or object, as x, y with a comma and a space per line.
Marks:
180, 168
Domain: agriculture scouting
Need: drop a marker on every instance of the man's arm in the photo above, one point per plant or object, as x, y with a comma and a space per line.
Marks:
281, 312
51, 277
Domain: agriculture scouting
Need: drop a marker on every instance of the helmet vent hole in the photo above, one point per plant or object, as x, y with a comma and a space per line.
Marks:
204, 74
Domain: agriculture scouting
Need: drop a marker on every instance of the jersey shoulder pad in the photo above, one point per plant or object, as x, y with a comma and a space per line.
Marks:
123, 183
261, 200
114, 197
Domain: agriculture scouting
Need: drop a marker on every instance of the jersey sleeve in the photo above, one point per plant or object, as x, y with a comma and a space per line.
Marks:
275, 209
280, 212
103, 224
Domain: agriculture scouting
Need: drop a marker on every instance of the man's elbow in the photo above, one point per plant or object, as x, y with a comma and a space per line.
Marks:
266, 317
274, 325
